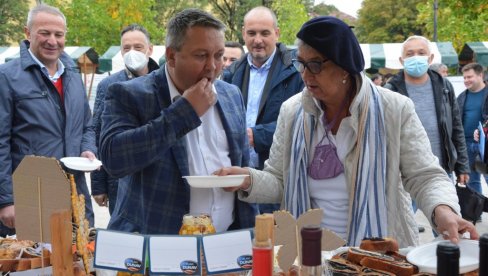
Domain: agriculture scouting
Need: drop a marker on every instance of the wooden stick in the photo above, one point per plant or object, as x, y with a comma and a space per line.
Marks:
61, 237
40, 208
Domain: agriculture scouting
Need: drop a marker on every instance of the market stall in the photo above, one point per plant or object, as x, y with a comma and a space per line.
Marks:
474, 52
86, 59
111, 61
386, 55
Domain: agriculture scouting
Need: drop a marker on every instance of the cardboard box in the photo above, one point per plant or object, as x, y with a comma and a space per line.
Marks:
40, 188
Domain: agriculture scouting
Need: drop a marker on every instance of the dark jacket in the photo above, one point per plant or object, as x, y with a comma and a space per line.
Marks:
461, 99
143, 138
35, 122
285, 81
448, 118
101, 181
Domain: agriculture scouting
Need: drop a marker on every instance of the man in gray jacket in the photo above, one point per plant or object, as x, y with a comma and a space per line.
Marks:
43, 107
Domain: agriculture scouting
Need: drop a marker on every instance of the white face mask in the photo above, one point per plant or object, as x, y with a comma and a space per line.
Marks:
135, 60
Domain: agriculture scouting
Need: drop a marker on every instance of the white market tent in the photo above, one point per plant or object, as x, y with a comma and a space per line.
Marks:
111, 61
387, 55
7, 52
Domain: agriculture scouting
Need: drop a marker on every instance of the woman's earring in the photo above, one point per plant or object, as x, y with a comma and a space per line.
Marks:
343, 81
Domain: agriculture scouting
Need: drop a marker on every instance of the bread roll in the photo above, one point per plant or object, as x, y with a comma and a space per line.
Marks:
341, 266
372, 271
381, 245
355, 255
398, 268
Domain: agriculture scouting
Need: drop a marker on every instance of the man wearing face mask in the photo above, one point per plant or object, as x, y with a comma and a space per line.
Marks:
427, 89
136, 50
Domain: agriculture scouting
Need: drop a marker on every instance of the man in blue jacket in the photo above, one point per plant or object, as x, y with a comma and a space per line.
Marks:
177, 121
43, 106
267, 78
136, 49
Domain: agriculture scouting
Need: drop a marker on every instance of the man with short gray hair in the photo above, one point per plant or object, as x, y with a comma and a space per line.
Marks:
43, 106
439, 68
428, 89
435, 104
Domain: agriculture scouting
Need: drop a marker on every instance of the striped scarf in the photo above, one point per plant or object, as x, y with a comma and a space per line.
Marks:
368, 211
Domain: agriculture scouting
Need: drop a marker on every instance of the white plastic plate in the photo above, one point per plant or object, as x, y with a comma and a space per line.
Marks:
425, 256
81, 163
213, 181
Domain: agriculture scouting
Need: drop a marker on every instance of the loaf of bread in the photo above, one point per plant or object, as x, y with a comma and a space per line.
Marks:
396, 267
381, 245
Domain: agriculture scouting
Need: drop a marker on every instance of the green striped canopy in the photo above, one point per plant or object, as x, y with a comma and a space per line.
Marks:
475, 52
112, 61
387, 55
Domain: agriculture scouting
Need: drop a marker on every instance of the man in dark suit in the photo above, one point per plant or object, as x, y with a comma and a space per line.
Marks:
267, 78
179, 120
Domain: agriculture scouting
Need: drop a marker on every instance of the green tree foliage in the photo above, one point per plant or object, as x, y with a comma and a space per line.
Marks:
388, 21
457, 21
13, 15
232, 12
324, 9
97, 23
291, 15
166, 9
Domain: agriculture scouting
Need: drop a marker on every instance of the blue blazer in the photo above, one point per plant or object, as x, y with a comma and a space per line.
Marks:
142, 138
285, 82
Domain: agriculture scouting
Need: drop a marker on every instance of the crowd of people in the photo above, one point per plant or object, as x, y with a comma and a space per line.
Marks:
307, 125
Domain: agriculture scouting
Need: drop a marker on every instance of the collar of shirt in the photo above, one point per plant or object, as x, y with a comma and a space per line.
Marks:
266, 66
173, 92
44, 70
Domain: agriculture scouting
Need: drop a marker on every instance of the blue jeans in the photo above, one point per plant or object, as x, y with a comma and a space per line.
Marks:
474, 177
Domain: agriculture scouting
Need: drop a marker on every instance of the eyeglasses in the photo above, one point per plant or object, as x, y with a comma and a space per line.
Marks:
313, 66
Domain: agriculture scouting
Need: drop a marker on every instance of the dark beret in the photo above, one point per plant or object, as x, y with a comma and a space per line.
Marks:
335, 40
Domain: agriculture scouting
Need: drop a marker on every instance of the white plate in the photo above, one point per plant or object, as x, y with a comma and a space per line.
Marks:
81, 163
425, 256
214, 181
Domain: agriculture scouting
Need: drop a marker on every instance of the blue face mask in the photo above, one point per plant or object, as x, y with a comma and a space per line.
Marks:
416, 66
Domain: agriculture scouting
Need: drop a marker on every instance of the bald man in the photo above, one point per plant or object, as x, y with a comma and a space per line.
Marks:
267, 78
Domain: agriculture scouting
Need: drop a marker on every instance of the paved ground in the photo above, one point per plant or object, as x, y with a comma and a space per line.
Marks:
102, 217
427, 236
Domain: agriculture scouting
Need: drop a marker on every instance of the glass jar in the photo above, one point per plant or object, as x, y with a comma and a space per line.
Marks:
200, 224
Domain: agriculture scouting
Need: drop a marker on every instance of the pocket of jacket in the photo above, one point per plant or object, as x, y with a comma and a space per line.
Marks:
31, 95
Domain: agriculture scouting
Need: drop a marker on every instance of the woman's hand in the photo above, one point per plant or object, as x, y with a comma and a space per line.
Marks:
450, 224
233, 171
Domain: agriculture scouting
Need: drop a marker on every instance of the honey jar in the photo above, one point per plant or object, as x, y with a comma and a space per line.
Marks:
200, 224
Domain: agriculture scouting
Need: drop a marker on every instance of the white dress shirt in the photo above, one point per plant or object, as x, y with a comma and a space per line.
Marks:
208, 150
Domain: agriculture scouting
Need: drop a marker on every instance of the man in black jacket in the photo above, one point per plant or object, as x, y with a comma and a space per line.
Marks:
428, 89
